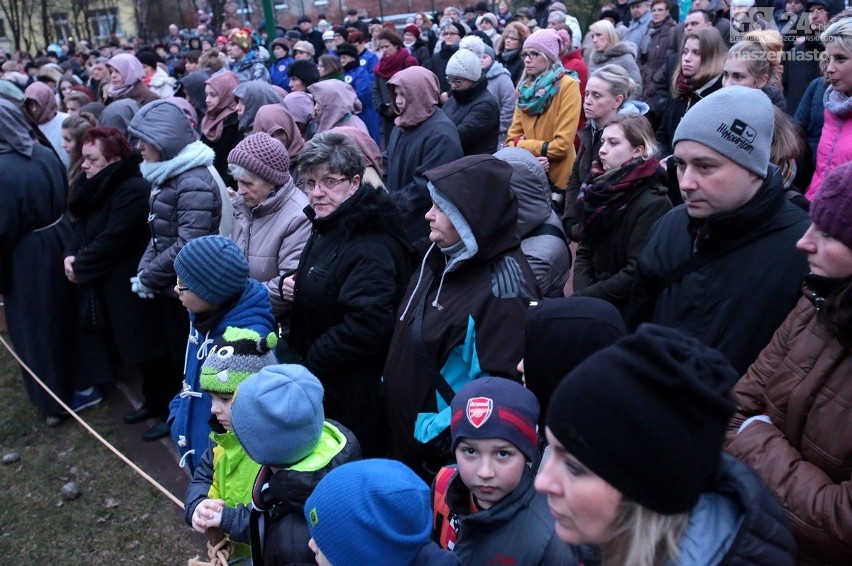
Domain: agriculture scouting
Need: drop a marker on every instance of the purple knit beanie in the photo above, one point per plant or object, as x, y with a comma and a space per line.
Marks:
495, 407
264, 156
547, 41
831, 209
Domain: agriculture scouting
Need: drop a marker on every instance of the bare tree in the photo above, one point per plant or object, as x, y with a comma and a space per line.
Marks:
18, 15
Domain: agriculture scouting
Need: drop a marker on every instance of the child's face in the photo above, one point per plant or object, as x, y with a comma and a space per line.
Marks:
491, 468
318, 555
221, 408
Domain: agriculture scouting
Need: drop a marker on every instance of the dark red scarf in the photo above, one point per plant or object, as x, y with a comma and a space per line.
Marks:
389, 66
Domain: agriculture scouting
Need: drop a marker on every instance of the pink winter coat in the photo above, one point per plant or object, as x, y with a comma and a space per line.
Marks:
835, 148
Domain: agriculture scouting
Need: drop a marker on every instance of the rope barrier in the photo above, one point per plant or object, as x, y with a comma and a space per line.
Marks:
92, 431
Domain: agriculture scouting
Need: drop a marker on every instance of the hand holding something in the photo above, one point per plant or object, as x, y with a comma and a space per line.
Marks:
207, 514
288, 285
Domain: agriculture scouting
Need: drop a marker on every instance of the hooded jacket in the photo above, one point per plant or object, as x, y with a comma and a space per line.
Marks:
272, 235
252, 67
461, 313
801, 382
182, 207
545, 249
518, 529
503, 90
46, 117
476, 116
423, 138
189, 411
253, 95
735, 302
351, 275
338, 105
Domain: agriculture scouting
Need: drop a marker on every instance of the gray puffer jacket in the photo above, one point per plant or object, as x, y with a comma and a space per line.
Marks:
185, 201
542, 239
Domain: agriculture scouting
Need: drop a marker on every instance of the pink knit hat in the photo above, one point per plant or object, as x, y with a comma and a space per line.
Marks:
547, 41
264, 156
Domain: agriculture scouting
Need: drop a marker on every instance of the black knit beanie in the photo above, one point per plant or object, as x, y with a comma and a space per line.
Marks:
648, 415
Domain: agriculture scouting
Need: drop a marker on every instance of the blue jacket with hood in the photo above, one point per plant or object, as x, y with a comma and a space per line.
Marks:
189, 411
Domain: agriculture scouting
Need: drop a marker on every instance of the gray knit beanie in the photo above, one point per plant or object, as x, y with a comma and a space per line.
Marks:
737, 122
212, 267
264, 156
464, 64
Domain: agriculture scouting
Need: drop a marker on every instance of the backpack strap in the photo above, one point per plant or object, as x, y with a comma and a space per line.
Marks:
442, 531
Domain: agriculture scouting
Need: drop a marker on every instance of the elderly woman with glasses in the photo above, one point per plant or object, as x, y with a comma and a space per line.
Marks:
548, 109
350, 278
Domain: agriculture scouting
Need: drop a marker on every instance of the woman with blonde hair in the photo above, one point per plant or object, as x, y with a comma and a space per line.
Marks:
661, 392
608, 49
620, 200
548, 109
698, 74
748, 63
508, 48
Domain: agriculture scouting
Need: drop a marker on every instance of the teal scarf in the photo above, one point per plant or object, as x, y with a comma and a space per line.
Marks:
194, 155
535, 98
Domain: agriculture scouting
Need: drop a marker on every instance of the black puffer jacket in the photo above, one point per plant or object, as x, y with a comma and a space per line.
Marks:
278, 530
477, 117
350, 278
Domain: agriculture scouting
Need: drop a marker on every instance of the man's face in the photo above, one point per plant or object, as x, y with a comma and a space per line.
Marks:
710, 183
639, 10
695, 21
659, 12
306, 27
818, 16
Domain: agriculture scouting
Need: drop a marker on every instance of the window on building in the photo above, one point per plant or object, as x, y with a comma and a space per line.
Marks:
104, 22
61, 27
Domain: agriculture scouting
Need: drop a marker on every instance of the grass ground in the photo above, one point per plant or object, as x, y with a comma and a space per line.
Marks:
118, 519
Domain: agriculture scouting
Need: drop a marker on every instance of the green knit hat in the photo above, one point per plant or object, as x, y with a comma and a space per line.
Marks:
237, 354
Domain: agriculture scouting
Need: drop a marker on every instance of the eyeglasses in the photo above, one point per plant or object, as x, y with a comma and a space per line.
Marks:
448, 33
455, 81
327, 183
530, 54
181, 287
511, 38
816, 10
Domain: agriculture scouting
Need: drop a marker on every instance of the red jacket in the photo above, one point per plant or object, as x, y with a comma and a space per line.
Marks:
573, 61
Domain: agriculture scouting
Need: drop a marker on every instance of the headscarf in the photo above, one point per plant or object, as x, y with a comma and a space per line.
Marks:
131, 71
300, 105
366, 144
119, 114
213, 122
420, 88
337, 102
16, 133
192, 85
45, 109
254, 94
274, 120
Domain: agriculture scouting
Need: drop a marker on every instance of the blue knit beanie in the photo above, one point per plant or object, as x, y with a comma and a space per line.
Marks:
495, 407
212, 267
277, 414
370, 512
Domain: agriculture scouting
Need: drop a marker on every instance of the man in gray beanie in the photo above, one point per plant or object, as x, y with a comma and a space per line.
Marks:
723, 266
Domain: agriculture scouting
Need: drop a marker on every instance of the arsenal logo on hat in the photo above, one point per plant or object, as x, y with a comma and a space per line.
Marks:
478, 410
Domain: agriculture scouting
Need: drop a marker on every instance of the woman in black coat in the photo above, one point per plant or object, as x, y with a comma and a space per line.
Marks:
110, 231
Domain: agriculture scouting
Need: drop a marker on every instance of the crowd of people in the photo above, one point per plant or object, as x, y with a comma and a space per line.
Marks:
596, 290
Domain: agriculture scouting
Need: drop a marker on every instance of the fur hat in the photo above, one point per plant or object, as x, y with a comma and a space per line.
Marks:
658, 392
277, 414
736, 122
305, 71
347, 49
264, 156
236, 355
831, 209
495, 407
464, 64
212, 267
370, 512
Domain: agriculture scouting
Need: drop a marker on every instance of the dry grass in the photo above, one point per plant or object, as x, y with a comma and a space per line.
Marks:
119, 519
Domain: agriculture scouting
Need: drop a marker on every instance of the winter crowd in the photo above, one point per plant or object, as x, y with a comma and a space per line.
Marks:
341, 261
